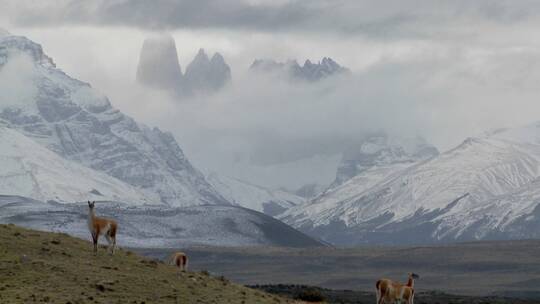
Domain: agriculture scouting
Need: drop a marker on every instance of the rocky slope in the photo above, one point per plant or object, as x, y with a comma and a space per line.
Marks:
78, 123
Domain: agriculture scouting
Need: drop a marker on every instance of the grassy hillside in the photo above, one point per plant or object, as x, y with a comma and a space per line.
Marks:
56, 268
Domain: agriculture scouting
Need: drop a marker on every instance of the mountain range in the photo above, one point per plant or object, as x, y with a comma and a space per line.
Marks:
159, 68
309, 71
485, 188
79, 124
62, 143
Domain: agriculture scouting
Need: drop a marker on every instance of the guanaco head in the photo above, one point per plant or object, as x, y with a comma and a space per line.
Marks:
414, 276
91, 205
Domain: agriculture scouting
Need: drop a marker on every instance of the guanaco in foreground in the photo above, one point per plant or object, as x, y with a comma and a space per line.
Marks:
389, 291
101, 226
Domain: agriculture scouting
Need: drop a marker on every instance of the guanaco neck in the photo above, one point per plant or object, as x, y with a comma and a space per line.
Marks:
410, 282
91, 216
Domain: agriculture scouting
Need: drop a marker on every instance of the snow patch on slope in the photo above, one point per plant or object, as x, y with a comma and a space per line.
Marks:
252, 196
30, 170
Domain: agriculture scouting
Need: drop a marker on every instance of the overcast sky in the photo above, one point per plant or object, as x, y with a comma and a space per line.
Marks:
444, 70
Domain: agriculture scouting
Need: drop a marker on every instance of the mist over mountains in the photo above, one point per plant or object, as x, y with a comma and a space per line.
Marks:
78, 123
388, 188
159, 68
308, 71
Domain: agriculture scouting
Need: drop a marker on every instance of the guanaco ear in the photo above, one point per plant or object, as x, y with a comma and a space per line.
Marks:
88, 203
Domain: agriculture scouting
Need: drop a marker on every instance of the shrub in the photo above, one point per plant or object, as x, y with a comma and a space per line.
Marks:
310, 295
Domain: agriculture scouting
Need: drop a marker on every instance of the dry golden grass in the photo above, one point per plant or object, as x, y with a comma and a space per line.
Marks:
37, 267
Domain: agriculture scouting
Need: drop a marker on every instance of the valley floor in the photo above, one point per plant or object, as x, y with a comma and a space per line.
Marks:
332, 296
500, 268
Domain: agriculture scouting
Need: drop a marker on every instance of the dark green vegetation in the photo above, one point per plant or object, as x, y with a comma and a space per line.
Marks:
56, 268
503, 269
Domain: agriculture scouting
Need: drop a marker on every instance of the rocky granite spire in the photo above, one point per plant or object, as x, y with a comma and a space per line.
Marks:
158, 63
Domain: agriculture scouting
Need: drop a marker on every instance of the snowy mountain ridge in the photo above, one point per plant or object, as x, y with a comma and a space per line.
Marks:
77, 122
483, 188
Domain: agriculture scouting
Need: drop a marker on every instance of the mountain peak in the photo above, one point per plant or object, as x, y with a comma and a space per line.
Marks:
201, 57
309, 71
159, 68
79, 124
23, 45
217, 59
158, 62
204, 75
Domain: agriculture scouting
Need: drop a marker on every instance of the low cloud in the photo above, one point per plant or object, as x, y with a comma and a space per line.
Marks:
259, 126
382, 20
444, 70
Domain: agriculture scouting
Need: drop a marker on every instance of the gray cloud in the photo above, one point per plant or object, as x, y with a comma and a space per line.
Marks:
441, 69
382, 19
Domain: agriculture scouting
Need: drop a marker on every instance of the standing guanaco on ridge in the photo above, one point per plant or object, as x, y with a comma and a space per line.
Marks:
101, 226
389, 291
180, 260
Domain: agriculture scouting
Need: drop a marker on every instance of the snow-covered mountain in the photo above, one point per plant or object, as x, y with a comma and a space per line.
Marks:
308, 72
310, 191
159, 68
31, 170
78, 123
381, 150
484, 188
270, 202
151, 226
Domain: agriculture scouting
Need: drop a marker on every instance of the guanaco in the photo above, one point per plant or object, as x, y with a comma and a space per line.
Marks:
101, 226
180, 260
389, 291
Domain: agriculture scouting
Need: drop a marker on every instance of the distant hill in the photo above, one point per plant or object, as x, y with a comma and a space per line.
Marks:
56, 268
158, 226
